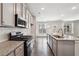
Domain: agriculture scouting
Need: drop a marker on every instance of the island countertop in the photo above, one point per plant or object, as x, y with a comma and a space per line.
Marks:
8, 46
65, 37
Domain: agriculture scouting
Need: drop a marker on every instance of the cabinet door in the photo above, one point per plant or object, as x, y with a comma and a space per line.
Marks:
19, 9
54, 46
8, 14
11, 54
31, 19
24, 16
27, 18
48, 39
0, 14
19, 51
50, 42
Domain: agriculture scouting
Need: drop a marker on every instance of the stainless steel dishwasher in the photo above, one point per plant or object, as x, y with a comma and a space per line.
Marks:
28, 46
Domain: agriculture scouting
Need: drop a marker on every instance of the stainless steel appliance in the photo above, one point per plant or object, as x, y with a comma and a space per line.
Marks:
27, 48
18, 36
19, 22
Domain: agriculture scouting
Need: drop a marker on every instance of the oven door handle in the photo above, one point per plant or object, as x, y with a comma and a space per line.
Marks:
28, 44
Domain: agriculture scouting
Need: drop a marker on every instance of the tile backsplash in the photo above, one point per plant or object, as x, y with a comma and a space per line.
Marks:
5, 31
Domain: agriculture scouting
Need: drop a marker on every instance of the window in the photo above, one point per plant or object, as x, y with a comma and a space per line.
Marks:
42, 28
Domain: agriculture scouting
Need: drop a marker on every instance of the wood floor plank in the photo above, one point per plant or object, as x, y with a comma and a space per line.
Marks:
41, 48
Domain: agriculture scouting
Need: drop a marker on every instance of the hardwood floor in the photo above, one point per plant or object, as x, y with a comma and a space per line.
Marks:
41, 48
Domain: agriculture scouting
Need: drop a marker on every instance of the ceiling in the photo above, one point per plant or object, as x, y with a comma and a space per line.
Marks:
55, 11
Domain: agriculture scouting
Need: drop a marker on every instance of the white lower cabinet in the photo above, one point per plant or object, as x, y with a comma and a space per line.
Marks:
50, 41
11, 54
19, 51
64, 47
76, 48
54, 46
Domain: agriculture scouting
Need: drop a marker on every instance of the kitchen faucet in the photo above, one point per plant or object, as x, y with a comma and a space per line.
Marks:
60, 31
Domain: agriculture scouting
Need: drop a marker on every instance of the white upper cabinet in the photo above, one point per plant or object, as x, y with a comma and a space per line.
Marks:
27, 18
0, 14
8, 11
24, 11
19, 8
31, 19
8, 14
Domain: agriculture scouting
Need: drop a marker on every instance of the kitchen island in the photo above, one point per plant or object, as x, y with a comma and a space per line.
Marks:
63, 46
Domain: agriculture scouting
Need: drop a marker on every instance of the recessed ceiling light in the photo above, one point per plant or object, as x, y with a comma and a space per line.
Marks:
73, 8
62, 15
42, 8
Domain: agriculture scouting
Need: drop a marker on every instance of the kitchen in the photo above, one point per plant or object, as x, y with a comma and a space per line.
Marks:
22, 23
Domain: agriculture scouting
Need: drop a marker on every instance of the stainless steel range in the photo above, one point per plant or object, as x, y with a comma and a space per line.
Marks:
18, 36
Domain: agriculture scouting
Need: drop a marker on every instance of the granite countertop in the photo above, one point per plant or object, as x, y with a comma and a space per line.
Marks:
66, 37
8, 46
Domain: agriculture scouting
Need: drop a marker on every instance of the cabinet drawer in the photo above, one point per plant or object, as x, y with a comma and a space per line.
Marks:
21, 53
54, 51
54, 41
11, 54
19, 49
54, 45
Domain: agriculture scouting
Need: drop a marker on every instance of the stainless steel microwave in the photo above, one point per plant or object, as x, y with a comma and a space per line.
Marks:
19, 22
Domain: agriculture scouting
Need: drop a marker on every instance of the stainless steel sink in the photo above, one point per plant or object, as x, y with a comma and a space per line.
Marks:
57, 36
